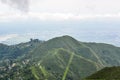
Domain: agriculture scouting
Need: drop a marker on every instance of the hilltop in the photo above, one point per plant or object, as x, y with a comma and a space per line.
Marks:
60, 58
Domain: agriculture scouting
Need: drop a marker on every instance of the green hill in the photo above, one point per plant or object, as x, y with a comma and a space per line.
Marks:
60, 58
15, 51
108, 54
60, 50
67, 43
108, 73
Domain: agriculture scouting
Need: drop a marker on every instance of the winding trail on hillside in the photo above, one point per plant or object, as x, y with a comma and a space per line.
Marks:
67, 68
95, 54
93, 62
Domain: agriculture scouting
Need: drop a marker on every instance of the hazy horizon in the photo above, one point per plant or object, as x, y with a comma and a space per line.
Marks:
88, 21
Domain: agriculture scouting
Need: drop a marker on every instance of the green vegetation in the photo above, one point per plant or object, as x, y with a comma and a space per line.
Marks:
16, 51
60, 58
67, 68
108, 73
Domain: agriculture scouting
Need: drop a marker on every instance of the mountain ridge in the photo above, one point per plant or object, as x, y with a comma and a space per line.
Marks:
61, 58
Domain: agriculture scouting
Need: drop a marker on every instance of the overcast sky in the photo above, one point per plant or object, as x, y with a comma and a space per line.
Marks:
60, 9
83, 19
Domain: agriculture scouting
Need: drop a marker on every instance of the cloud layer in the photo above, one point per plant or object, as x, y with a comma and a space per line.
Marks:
22, 5
56, 16
6, 37
60, 9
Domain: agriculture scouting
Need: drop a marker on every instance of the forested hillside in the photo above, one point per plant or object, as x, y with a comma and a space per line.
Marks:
60, 58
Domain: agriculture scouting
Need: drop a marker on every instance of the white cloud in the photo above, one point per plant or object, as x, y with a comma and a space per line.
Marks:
64, 10
55, 16
76, 6
22, 5
6, 37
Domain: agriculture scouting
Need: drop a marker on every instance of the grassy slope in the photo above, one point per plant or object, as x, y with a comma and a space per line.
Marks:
51, 55
64, 65
108, 73
64, 58
67, 43
108, 54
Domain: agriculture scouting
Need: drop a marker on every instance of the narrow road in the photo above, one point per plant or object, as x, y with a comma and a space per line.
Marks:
67, 68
